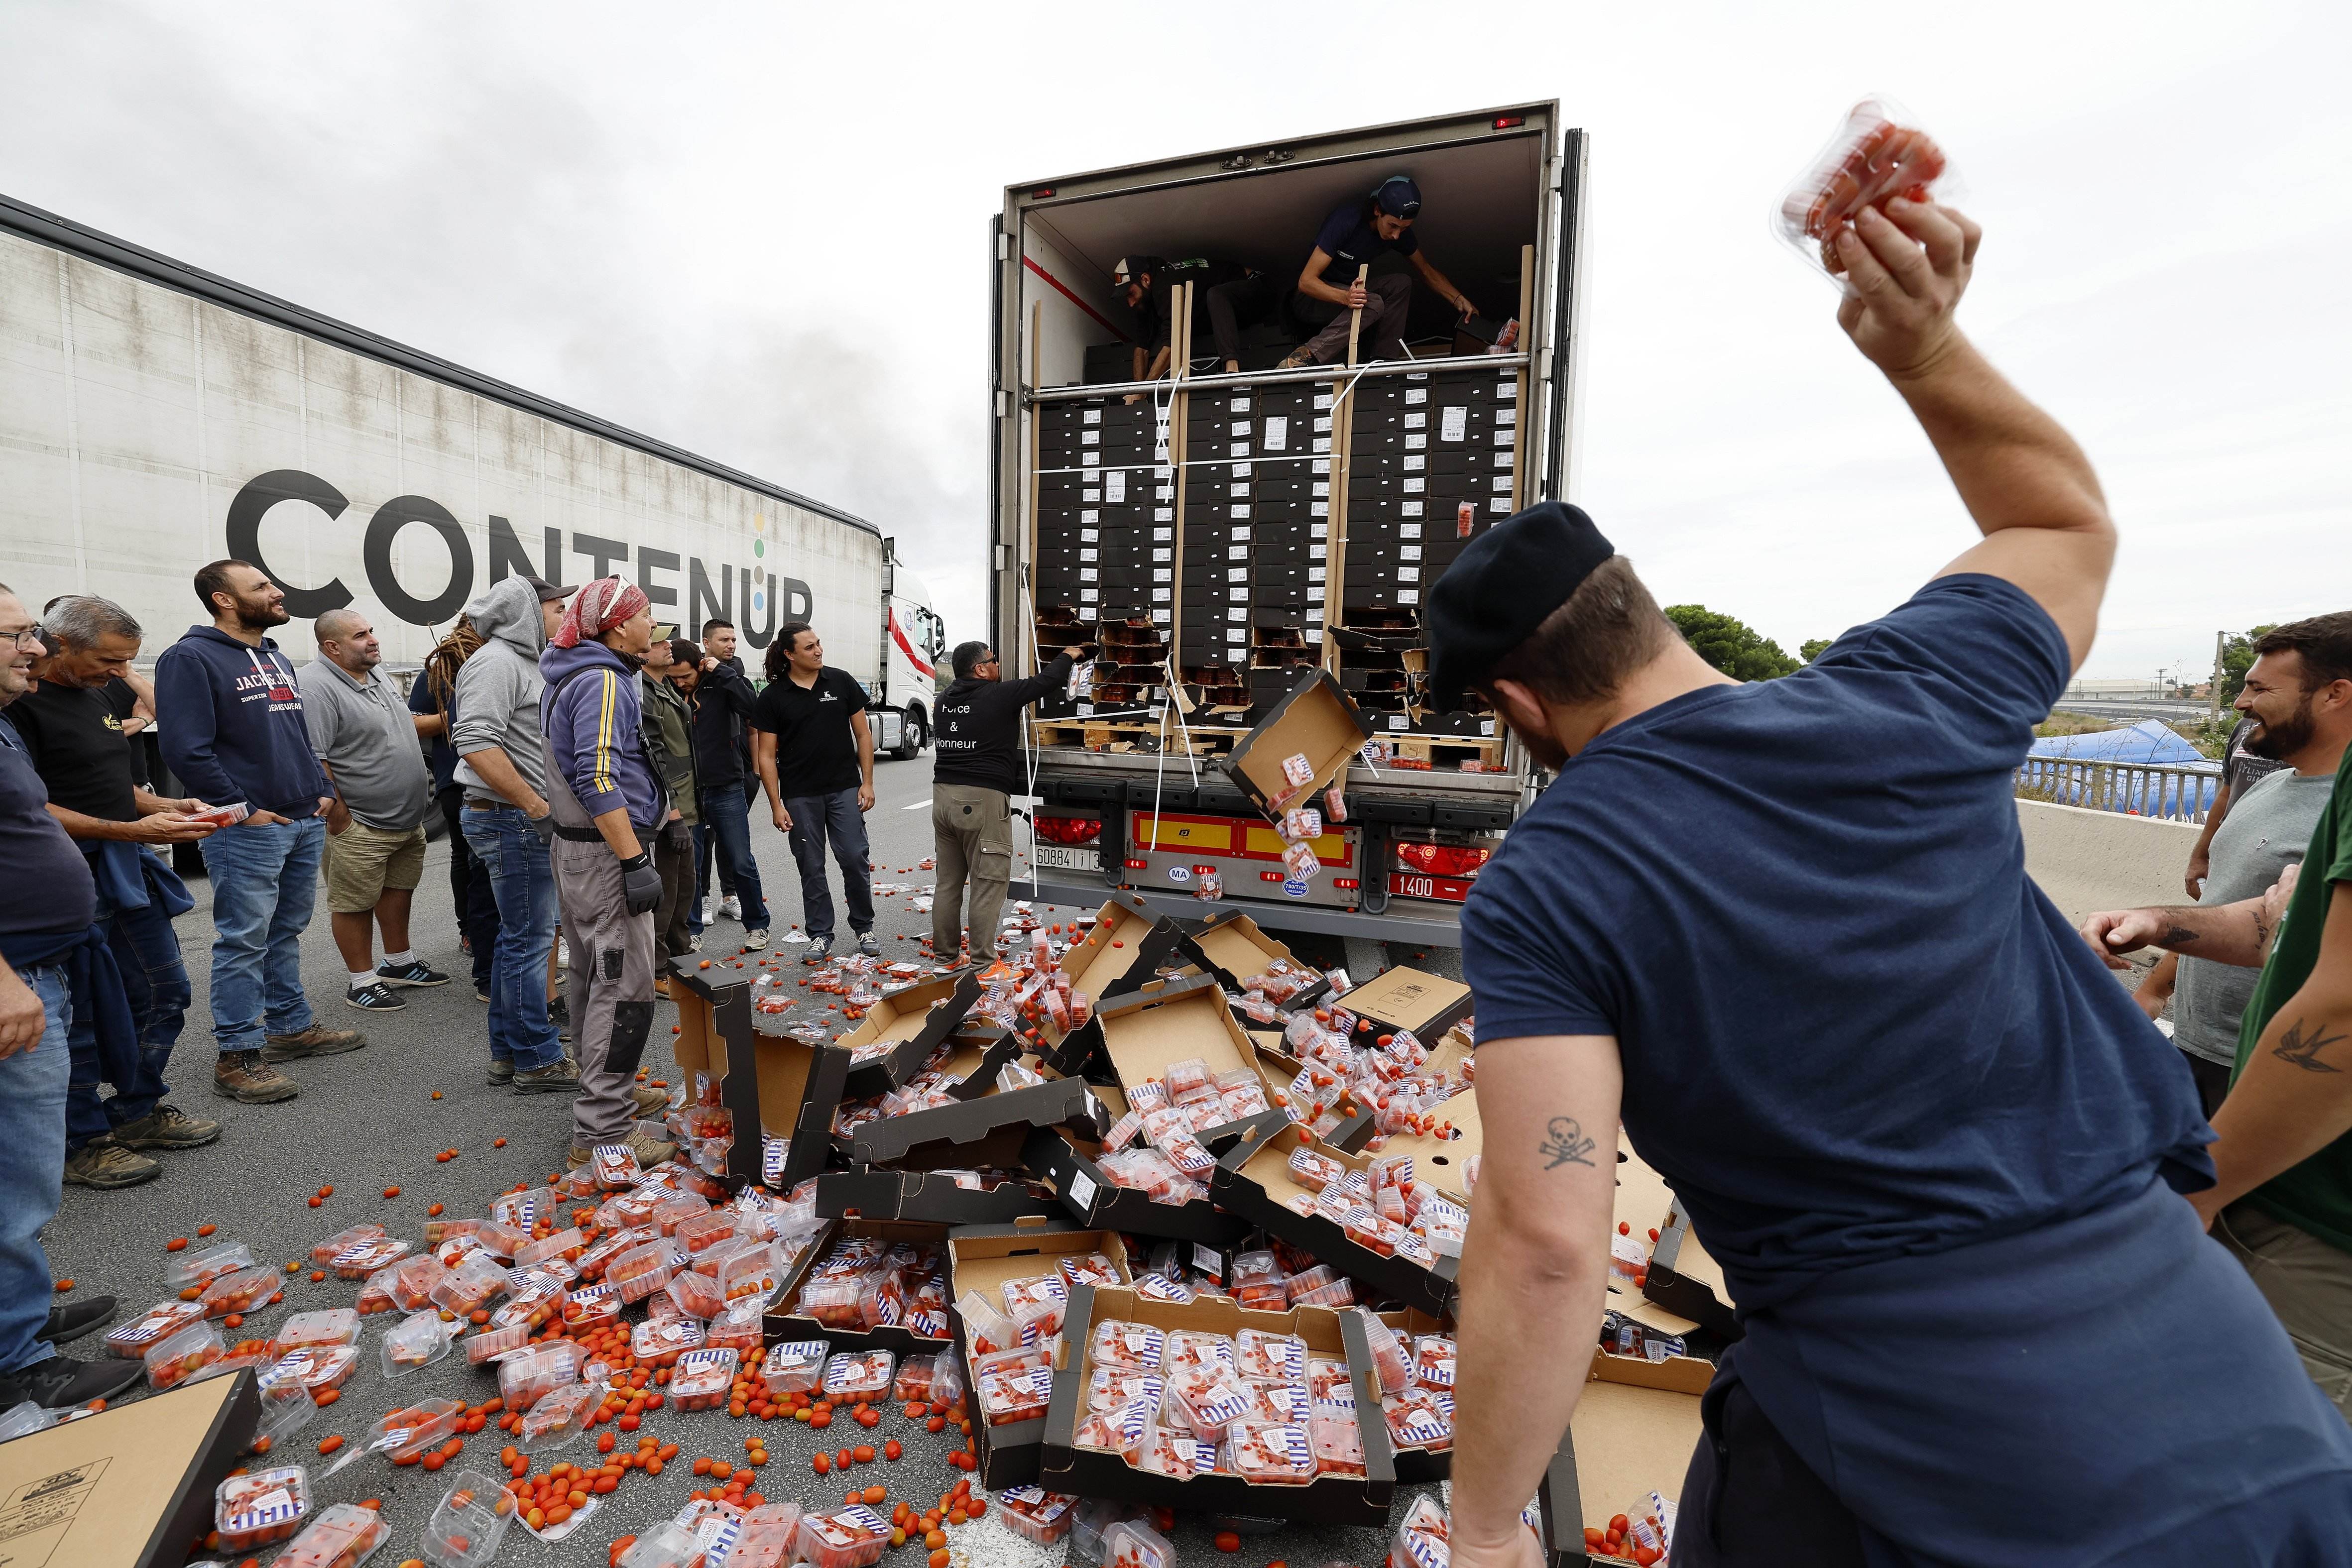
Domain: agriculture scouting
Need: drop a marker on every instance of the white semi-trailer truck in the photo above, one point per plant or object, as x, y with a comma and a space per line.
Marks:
154, 416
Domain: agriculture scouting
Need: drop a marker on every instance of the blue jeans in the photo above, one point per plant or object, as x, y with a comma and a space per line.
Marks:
524, 882
727, 822
264, 881
816, 819
32, 1169
156, 983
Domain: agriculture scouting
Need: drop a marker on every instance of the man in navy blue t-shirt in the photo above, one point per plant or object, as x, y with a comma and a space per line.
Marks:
1784, 931
1359, 232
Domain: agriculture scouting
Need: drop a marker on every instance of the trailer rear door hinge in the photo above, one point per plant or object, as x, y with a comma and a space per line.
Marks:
1002, 407
1004, 245
1000, 558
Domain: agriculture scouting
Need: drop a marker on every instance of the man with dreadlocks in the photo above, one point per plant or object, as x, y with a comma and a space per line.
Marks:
608, 801
433, 698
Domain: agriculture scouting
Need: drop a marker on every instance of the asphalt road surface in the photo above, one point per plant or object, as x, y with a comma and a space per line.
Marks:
367, 1121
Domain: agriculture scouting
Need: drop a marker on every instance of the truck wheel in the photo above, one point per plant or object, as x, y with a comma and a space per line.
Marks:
912, 737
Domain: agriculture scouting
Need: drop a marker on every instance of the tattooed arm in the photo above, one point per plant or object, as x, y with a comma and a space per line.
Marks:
2294, 1098
2236, 933
1535, 1268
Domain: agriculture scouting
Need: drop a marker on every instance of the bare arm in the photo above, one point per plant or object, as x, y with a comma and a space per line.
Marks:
143, 708
1440, 285
2294, 1098
163, 826
428, 725
1535, 1270
2156, 989
864, 733
1311, 283
2236, 933
2200, 859
496, 770
2022, 478
620, 836
764, 759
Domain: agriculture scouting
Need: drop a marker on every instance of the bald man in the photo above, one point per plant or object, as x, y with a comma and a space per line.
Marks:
366, 740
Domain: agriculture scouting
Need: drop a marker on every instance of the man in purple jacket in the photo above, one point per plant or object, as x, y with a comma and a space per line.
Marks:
607, 800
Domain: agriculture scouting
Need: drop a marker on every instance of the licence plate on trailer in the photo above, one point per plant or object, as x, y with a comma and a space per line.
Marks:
1065, 857
1415, 884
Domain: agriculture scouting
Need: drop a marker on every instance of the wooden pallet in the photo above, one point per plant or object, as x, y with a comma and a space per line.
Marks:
1444, 751
1146, 739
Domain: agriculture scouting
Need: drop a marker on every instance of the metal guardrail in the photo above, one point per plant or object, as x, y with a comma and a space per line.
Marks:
2169, 791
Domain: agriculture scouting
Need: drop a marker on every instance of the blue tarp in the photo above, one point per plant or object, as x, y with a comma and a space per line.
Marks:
2149, 795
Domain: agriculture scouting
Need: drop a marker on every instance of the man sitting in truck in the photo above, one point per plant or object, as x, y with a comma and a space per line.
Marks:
1233, 295
1358, 232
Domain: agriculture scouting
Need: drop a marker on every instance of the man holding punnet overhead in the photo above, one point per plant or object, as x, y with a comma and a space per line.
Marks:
1939, 1155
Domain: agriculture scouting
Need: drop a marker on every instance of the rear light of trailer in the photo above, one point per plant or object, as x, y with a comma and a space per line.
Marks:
1068, 830
1510, 121
1443, 860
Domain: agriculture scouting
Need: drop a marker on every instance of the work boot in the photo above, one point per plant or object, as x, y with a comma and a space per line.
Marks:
69, 1320
316, 1040
501, 1074
649, 1099
167, 1128
564, 1074
244, 1076
59, 1383
103, 1163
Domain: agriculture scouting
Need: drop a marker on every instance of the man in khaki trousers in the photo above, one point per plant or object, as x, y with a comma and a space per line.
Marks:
975, 774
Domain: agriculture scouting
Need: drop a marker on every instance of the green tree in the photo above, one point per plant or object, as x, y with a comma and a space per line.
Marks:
2237, 658
1730, 644
1814, 647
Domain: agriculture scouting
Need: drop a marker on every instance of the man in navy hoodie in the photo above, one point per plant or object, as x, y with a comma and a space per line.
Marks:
607, 800
231, 729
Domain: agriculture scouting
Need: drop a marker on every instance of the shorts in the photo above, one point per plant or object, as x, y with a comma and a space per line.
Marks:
362, 863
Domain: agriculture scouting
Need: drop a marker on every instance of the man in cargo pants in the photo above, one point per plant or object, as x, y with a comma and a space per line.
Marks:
974, 776
607, 800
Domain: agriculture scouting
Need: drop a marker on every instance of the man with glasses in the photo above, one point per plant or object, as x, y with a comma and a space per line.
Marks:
53, 962
975, 773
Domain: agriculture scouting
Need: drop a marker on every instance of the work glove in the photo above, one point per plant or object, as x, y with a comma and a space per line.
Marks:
640, 884
544, 826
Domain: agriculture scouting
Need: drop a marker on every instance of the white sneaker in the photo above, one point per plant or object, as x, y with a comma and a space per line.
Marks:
732, 907
755, 940
707, 911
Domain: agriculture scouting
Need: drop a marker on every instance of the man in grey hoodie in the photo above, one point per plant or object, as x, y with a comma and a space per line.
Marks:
501, 766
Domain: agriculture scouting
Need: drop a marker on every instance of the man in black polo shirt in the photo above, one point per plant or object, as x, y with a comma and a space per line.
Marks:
816, 756
73, 732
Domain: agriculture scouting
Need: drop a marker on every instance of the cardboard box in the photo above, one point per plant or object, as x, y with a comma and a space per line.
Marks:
915, 1020
1328, 1500
1069, 1167
931, 1197
982, 1258
1685, 1282
129, 1488
1235, 947
1315, 720
1253, 1181
790, 1090
1404, 997
949, 1129
1632, 1434
782, 1324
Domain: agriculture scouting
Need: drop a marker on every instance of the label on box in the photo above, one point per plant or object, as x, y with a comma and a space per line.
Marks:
1240, 430
1315, 553
1090, 416
1089, 596
1414, 486
1505, 459
1241, 471
1322, 400
1163, 536
1163, 514
1322, 444
1408, 596
1237, 552
1160, 554
1088, 574
1318, 509
1237, 615
1090, 458
1408, 574
1089, 536
1091, 497
1162, 596
1082, 1189
1501, 504
1115, 486
1416, 421
1501, 482
1323, 425
1454, 423
1407, 530
1410, 552
1415, 462
1397, 721
1239, 449
1088, 518
1237, 574
1086, 710
1314, 574
1277, 433
1416, 443
1238, 405
1408, 508
1088, 555
1240, 514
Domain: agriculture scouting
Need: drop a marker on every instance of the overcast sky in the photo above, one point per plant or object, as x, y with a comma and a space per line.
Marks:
758, 232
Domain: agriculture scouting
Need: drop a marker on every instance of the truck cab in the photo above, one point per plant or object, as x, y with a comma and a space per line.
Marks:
914, 649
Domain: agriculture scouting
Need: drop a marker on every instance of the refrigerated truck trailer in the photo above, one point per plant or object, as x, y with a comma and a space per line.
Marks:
1161, 477
154, 416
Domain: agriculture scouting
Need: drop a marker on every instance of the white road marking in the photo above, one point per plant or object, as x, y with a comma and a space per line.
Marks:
916, 805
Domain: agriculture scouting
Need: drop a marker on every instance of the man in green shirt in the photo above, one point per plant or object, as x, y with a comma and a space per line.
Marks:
668, 730
2283, 1149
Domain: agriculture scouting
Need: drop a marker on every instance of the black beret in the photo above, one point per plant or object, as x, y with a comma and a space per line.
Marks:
1503, 587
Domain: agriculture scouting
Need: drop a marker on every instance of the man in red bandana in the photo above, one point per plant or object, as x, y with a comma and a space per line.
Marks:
607, 800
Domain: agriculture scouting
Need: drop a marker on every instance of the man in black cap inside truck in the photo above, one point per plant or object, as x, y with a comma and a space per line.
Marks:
1234, 296
1939, 1155
1359, 231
